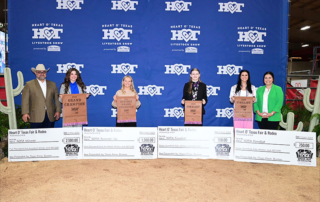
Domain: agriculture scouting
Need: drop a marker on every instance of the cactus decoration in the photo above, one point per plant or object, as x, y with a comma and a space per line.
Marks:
315, 108
290, 123
11, 93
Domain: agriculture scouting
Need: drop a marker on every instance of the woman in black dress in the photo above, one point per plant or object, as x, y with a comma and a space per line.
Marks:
195, 89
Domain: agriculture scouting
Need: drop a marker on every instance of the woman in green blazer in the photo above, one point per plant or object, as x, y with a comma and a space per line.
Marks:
269, 103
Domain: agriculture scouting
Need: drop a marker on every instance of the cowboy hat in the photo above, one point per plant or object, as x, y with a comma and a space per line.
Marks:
40, 67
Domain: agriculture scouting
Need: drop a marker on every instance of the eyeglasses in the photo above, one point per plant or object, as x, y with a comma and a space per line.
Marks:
41, 72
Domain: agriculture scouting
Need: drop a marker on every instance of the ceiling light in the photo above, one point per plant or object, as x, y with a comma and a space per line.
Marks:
305, 27
305, 45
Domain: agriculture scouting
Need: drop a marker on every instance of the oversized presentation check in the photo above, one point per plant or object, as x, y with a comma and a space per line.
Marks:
119, 143
275, 146
195, 142
45, 144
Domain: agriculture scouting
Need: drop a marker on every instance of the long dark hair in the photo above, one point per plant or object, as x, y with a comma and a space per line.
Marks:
79, 81
190, 81
270, 74
248, 82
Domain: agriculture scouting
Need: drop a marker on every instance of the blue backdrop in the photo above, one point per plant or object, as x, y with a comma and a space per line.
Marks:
156, 42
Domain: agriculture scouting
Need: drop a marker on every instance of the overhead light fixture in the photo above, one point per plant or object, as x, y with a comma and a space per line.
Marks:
305, 45
305, 27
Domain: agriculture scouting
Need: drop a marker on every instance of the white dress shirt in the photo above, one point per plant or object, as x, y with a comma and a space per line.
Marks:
43, 86
243, 93
240, 93
265, 100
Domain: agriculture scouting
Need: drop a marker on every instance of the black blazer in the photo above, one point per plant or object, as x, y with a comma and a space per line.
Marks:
202, 94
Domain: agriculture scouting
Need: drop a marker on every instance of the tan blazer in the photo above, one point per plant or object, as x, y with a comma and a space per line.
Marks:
34, 103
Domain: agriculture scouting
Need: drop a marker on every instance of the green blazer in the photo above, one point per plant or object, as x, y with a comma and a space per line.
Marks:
275, 102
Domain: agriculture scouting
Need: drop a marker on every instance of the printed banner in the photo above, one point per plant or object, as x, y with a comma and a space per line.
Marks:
119, 143
193, 112
45, 144
126, 108
74, 109
157, 43
274, 146
195, 142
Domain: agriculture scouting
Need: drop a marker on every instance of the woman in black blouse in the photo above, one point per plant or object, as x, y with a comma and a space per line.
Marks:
195, 89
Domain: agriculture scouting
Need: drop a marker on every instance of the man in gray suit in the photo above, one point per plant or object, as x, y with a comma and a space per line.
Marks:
40, 100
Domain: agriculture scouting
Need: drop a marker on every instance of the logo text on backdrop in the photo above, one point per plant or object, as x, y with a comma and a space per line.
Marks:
178, 6
116, 37
174, 112
185, 37
211, 90
69, 4
150, 90
230, 7
46, 33
227, 112
42, 35
251, 39
229, 69
124, 5
96, 89
63, 68
177, 69
123, 68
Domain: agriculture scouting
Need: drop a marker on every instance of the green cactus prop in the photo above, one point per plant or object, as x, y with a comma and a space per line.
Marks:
11, 93
315, 108
290, 123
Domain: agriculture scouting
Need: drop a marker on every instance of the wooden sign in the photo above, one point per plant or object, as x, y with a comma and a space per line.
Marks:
126, 109
74, 109
193, 112
243, 108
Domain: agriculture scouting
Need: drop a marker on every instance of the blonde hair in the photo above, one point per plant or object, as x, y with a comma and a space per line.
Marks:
190, 80
131, 87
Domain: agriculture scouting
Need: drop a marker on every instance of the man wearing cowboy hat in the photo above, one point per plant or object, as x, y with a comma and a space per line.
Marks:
40, 100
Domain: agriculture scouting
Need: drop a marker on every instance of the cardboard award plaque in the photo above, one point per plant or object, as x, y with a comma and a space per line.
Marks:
243, 112
243, 107
126, 109
193, 112
74, 109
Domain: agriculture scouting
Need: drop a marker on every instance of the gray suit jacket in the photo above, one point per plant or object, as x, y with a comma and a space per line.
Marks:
34, 103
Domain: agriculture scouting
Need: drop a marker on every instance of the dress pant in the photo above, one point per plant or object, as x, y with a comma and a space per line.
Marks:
268, 125
130, 124
45, 124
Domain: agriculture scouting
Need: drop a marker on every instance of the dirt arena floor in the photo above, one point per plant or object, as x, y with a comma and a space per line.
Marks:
157, 180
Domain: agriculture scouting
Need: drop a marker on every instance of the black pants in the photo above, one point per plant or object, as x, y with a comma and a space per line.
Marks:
130, 124
268, 125
45, 124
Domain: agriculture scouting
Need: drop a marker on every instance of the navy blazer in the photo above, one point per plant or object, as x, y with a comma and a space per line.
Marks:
202, 93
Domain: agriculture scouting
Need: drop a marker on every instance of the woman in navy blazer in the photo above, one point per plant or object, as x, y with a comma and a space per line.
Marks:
195, 89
